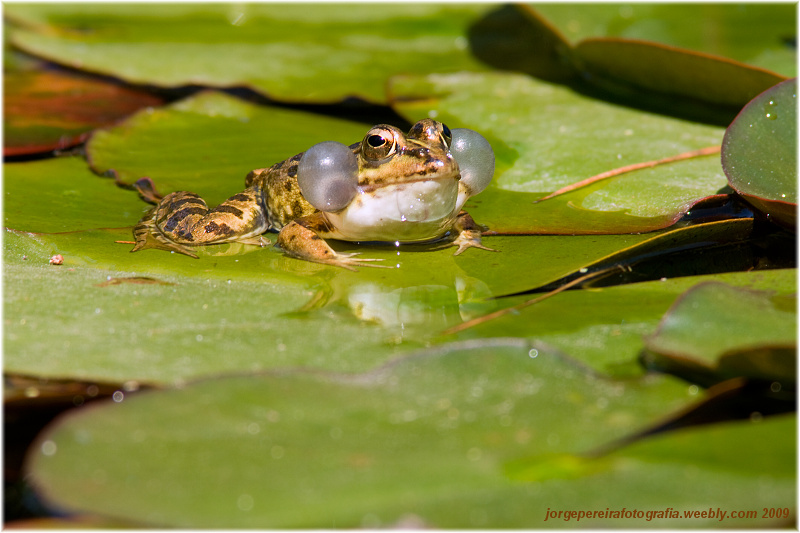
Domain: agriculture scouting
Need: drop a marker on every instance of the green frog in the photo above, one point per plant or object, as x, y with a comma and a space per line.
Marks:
390, 187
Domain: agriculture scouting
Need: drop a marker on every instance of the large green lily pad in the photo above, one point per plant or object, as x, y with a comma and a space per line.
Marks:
663, 67
209, 142
68, 197
428, 439
758, 34
658, 68
427, 435
759, 153
375, 313
547, 137
737, 456
289, 52
240, 296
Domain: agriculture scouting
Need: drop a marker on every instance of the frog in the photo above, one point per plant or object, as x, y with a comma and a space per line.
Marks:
391, 187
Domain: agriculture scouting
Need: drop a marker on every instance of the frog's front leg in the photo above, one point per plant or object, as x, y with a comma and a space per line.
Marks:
469, 234
302, 238
183, 218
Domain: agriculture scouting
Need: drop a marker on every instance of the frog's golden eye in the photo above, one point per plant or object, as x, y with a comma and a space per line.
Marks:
379, 144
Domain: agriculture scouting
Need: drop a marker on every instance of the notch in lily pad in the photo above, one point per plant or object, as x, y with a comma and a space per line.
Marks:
759, 153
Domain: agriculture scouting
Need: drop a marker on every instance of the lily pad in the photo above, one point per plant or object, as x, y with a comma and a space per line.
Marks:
609, 329
330, 398
546, 136
716, 332
738, 454
51, 110
209, 142
229, 134
381, 313
68, 197
658, 68
305, 450
287, 52
651, 69
754, 448
758, 34
557, 138
759, 153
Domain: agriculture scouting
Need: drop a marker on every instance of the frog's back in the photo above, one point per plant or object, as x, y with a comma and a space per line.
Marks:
283, 198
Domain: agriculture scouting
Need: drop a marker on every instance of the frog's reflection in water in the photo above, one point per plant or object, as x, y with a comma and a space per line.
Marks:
414, 298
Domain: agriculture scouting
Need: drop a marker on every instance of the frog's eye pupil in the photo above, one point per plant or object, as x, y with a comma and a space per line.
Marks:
446, 132
376, 141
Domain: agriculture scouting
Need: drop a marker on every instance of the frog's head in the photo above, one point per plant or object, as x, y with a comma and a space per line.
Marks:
393, 186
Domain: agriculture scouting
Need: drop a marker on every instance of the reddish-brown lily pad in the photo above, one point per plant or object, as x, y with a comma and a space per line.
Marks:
53, 110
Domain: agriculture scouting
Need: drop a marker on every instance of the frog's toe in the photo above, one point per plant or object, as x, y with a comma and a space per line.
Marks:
469, 239
350, 261
462, 247
255, 241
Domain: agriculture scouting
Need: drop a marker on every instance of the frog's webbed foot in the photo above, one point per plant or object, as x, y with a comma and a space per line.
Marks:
469, 234
300, 239
349, 261
469, 239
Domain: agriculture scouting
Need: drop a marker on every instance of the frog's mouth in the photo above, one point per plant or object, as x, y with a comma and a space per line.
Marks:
413, 210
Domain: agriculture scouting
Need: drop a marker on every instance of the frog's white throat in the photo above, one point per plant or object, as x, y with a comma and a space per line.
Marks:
405, 212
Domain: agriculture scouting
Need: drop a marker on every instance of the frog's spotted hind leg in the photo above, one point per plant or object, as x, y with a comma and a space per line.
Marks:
469, 234
183, 218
